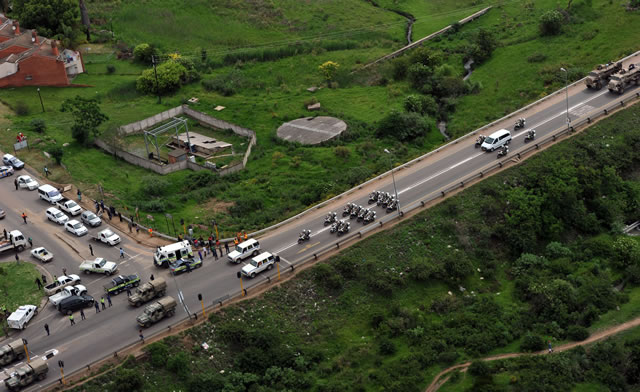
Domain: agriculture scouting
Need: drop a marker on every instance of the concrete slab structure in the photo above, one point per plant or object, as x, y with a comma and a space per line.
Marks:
311, 130
200, 143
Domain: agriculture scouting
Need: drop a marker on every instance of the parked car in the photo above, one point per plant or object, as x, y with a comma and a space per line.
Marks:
67, 292
181, 265
55, 215
91, 219
10, 160
22, 315
42, 254
28, 183
6, 171
75, 302
75, 227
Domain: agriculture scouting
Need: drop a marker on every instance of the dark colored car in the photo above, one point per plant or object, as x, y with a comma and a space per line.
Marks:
181, 265
122, 283
75, 302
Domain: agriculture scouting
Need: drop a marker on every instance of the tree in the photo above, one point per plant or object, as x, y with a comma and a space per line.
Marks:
84, 17
329, 70
484, 45
144, 53
422, 104
38, 125
48, 17
87, 117
404, 126
551, 23
171, 75
56, 153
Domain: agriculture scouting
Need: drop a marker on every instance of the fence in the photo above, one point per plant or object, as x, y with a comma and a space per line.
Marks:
163, 169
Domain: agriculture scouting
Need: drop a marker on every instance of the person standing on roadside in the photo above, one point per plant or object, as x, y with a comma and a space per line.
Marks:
46, 328
82, 317
91, 249
39, 283
71, 319
95, 303
16, 183
102, 302
226, 247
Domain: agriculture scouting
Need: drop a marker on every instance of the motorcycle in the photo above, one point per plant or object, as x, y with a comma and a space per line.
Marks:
344, 228
386, 200
504, 151
520, 123
370, 217
530, 135
393, 205
480, 140
363, 212
334, 227
330, 218
373, 197
355, 211
304, 236
347, 209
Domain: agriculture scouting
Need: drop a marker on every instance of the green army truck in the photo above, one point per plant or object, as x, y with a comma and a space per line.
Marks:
156, 311
10, 352
148, 291
25, 375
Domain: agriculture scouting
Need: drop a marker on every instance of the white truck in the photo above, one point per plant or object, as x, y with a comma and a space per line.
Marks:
262, 262
66, 293
22, 315
16, 240
99, 265
60, 283
108, 237
69, 206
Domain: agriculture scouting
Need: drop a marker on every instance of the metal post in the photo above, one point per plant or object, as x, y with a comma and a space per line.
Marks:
26, 351
395, 190
41, 103
153, 60
566, 93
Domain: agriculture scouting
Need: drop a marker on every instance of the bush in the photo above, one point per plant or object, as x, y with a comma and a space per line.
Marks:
56, 153
127, 380
227, 84
38, 125
531, 343
199, 179
404, 126
342, 152
537, 58
246, 205
577, 333
144, 53
551, 23
179, 364
21, 109
111, 69
171, 76
387, 347
327, 276
421, 104
152, 186
479, 369
158, 353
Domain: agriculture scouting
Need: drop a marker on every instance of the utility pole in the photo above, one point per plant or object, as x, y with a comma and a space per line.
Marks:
153, 59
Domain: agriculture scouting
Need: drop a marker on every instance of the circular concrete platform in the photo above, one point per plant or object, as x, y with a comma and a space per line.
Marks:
311, 130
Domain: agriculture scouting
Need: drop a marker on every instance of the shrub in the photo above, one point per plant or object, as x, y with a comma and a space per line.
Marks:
227, 84
551, 23
577, 333
152, 186
179, 364
447, 357
56, 153
21, 109
484, 43
555, 250
327, 276
404, 126
245, 205
342, 152
532, 342
386, 346
479, 369
171, 76
38, 125
421, 104
537, 58
111, 69
127, 380
158, 353
199, 179
144, 53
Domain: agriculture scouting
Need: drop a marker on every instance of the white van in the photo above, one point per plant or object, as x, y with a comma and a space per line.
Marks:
244, 250
496, 140
166, 254
48, 193
263, 261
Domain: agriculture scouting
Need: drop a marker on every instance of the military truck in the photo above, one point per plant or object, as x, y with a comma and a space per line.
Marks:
599, 77
624, 78
152, 289
156, 311
13, 351
27, 374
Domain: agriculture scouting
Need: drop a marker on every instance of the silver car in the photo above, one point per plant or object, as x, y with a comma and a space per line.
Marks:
90, 219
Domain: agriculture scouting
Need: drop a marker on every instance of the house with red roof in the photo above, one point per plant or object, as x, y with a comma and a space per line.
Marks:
27, 59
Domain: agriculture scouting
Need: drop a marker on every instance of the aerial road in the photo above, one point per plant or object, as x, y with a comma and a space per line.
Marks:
114, 328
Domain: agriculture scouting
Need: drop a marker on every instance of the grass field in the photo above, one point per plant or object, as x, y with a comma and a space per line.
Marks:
18, 287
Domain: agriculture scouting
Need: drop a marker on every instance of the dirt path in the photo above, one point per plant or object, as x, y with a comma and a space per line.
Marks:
438, 381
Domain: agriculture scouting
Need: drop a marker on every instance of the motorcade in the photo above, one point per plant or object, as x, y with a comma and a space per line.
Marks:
496, 140
107, 236
49, 194
69, 206
91, 219
55, 215
182, 265
262, 262
26, 182
243, 250
75, 227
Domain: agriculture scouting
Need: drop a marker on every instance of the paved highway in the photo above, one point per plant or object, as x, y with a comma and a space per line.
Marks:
110, 330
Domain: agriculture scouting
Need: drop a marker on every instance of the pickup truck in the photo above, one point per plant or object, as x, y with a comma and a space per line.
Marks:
66, 293
60, 283
108, 237
22, 315
15, 240
121, 283
99, 265
69, 206
42, 254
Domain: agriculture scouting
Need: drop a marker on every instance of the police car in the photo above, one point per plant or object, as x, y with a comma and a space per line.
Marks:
122, 283
181, 265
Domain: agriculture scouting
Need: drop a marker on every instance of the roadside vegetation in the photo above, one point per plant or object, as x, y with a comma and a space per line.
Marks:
262, 81
530, 255
18, 287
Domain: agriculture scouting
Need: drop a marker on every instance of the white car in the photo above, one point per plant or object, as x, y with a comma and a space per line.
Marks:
55, 215
76, 228
42, 254
262, 262
27, 182
20, 318
66, 293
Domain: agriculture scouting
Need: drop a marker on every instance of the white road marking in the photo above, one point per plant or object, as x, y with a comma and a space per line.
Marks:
438, 173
